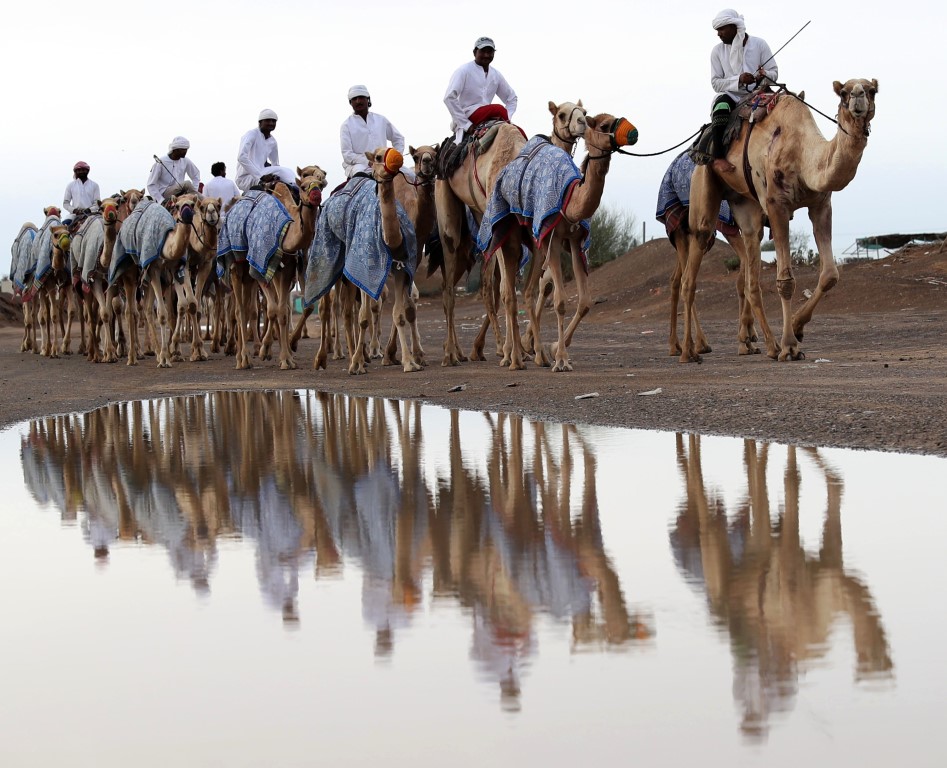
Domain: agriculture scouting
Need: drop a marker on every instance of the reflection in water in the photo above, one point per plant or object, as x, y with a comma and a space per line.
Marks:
315, 481
777, 602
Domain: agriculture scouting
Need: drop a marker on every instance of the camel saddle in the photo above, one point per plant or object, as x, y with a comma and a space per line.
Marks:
451, 156
752, 109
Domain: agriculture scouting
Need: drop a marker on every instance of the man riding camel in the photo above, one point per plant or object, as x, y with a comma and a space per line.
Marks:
739, 64
471, 90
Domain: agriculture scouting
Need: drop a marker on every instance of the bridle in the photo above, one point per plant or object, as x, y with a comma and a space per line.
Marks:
570, 139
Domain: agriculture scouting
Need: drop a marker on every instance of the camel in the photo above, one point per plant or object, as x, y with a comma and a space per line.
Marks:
579, 197
417, 198
778, 599
151, 242
21, 272
781, 164
672, 211
48, 258
568, 126
201, 261
348, 245
96, 238
468, 186
292, 226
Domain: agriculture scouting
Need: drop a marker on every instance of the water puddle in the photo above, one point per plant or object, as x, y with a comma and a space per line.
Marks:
259, 578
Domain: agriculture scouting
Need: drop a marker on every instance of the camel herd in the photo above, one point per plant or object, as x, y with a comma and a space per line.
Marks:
225, 271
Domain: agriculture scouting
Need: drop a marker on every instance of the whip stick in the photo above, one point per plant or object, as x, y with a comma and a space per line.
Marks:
786, 43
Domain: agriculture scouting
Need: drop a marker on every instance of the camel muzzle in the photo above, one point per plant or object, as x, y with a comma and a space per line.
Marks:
622, 133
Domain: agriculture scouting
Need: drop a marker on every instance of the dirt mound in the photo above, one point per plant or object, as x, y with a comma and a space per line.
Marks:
11, 312
914, 277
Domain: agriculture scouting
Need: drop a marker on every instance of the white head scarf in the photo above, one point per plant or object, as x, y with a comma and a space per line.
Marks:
730, 16
178, 142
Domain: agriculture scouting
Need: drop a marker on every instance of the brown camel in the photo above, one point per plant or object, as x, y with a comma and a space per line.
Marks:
129, 273
95, 238
201, 262
781, 164
604, 134
568, 126
778, 600
417, 198
295, 240
386, 165
470, 185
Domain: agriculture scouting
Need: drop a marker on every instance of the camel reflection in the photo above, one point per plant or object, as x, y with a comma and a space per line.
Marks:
316, 483
778, 602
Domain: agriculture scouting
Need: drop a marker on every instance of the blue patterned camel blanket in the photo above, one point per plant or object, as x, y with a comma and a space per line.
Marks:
21, 268
141, 238
86, 246
349, 242
674, 197
253, 229
42, 252
534, 187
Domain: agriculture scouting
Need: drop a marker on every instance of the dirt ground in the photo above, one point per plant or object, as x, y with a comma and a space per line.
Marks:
874, 377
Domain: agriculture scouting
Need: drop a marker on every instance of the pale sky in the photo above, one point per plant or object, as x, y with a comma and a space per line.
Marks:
112, 84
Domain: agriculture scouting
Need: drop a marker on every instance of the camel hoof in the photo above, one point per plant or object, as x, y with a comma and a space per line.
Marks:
562, 367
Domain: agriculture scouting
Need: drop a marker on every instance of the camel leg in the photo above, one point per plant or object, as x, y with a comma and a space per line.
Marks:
103, 305
325, 315
163, 330
300, 330
284, 280
131, 320
584, 304
400, 320
821, 218
706, 195
374, 324
450, 227
785, 285
544, 272
357, 361
750, 219
244, 289
198, 353
513, 347
679, 240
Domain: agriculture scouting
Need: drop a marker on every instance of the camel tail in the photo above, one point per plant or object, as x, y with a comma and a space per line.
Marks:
435, 253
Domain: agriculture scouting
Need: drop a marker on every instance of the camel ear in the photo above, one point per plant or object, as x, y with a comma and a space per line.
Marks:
299, 171
874, 84
370, 156
802, 95
579, 103
411, 150
552, 108
837, 86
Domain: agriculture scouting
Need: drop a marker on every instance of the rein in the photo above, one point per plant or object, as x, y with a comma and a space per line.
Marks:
621, 151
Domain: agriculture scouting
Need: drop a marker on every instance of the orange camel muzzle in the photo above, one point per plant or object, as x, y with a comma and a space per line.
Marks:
393, 160
624, 134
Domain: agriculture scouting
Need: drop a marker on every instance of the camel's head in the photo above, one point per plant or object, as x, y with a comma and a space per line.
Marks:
207, 209
313, 173
109, 208
608, 133
51, 210
858, 98
568, 120
311, 183
425, 161
127, 202
61, 242
182, 209
386, 162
